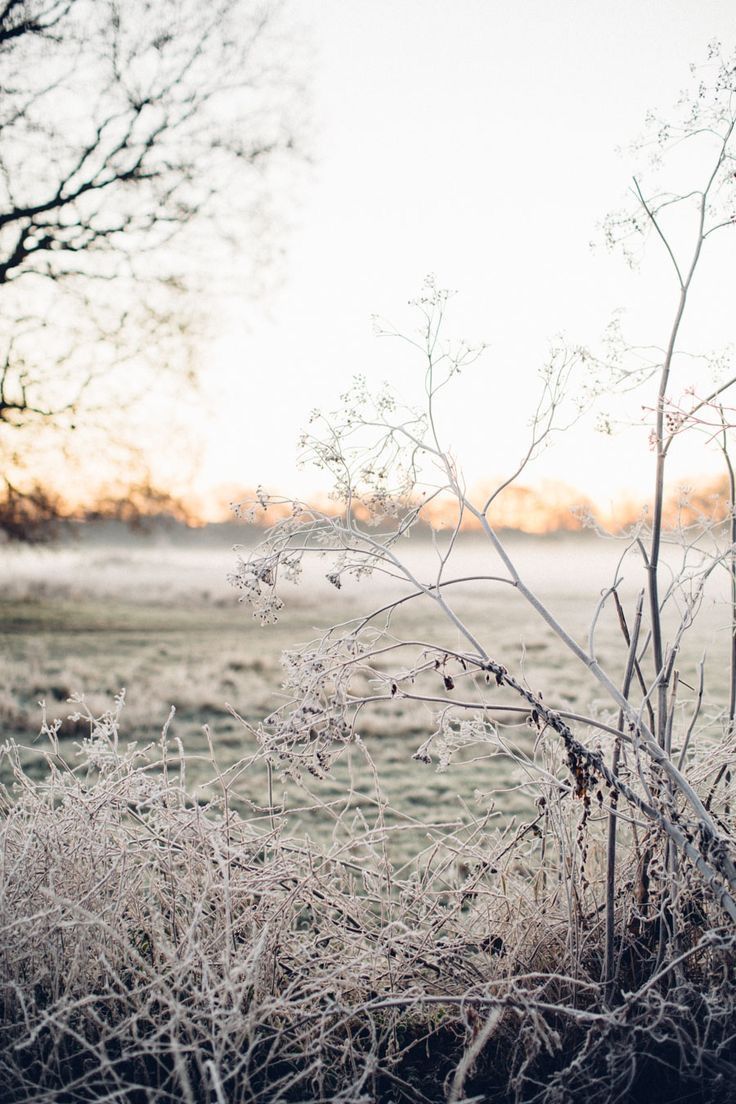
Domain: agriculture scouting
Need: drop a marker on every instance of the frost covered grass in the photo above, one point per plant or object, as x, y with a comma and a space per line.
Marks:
173, 928
144, 624
164, 624
157, 945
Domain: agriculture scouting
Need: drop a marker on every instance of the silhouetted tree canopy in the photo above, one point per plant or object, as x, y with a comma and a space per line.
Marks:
134, 140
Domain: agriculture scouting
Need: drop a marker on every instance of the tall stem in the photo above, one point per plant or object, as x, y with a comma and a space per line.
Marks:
732, 574
655, 611
632, 640
662, 442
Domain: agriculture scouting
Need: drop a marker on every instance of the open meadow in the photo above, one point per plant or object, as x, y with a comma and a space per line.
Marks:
262, 918
154, 615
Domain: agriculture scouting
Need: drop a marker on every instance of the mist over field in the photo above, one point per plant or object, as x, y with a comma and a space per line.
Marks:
154, 613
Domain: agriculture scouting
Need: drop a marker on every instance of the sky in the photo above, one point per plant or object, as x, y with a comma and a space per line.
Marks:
480, 141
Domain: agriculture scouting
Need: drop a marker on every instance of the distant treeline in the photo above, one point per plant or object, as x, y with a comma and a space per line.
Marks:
37, 514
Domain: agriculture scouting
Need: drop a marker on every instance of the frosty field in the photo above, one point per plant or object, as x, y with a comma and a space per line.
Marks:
225, 911
157, 618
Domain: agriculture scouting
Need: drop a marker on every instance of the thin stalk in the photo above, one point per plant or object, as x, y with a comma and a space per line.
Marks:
696, 714
668, 921
632, 640
655, 612
732, 574
646, 738
661, 440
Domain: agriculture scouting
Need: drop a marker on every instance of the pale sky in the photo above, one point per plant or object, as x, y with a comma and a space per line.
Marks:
474, 139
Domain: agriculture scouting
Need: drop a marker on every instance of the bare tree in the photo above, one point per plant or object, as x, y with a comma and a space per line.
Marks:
135, 141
